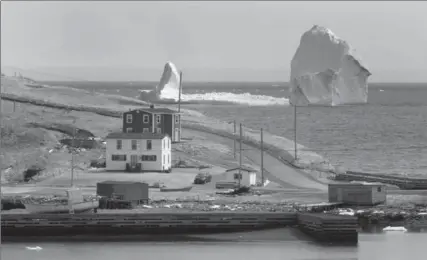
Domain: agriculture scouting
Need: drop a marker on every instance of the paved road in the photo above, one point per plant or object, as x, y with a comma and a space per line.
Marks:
277, 171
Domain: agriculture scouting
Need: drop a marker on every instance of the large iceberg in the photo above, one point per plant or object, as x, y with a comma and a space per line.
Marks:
325, 71
168, 87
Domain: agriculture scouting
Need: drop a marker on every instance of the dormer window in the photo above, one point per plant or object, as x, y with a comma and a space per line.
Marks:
129, 118
145, 119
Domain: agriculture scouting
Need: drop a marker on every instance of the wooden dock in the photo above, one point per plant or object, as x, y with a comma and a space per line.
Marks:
322, 227
329, 228
135, 224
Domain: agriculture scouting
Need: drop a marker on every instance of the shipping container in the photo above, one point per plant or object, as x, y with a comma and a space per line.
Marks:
135, 192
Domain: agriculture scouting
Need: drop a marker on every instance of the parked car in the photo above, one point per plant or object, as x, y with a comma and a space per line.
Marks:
202, 178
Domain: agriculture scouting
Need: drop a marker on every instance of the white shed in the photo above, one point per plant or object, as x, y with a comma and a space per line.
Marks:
247, 176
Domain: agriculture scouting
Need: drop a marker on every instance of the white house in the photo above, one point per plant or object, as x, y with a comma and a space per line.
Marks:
247, 176
138, 152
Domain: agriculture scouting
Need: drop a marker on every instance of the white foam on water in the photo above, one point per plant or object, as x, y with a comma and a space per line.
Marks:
168, 91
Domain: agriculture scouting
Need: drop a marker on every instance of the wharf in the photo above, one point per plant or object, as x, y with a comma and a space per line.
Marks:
146, 223
329, 228
318, 225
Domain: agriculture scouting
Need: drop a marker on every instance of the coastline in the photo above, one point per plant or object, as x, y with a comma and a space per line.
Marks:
279, 164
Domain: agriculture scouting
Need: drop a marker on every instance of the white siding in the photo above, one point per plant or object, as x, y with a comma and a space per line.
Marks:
157, 149
248, 178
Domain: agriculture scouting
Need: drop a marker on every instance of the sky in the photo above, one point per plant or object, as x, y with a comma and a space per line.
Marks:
210, 41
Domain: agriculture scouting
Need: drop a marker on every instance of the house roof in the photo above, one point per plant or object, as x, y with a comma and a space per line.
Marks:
160, 110
121, 135
243, 168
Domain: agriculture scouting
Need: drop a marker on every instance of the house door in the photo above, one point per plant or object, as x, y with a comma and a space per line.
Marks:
177, 135
339, 195
133, 160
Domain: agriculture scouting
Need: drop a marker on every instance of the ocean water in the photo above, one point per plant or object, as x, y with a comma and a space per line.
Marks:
395, 246
387, 135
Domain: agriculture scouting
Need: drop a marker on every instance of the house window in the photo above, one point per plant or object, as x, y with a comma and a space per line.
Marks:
149, 158
159, 130
145, 119
129, 130
149, 146
129, 118
164, 158
119, 145
118, 157
158, 119
145, 130
176, 119
379, 189
237, 176
134, 144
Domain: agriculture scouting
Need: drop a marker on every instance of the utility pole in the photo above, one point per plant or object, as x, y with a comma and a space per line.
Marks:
179, 92
72, 156
240, 155
234, 140
262, 158
1, 123
179, 106
295, 131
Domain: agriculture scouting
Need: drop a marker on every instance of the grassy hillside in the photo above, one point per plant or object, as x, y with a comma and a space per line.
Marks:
32, 131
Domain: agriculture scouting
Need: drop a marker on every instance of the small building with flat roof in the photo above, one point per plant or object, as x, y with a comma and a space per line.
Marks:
247, 176
358, 193
134, 192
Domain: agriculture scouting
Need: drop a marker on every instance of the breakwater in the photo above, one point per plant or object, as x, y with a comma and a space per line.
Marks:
403, 183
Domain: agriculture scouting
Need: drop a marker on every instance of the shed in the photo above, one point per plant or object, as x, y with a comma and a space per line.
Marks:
135, 192
366, 194
247, 178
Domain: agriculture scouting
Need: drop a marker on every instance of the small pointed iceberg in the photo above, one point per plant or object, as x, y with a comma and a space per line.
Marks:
168, 87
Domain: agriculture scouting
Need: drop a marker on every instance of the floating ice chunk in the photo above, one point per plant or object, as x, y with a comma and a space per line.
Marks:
37, 248
399, 229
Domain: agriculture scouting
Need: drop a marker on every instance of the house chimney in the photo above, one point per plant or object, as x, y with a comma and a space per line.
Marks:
152, 106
